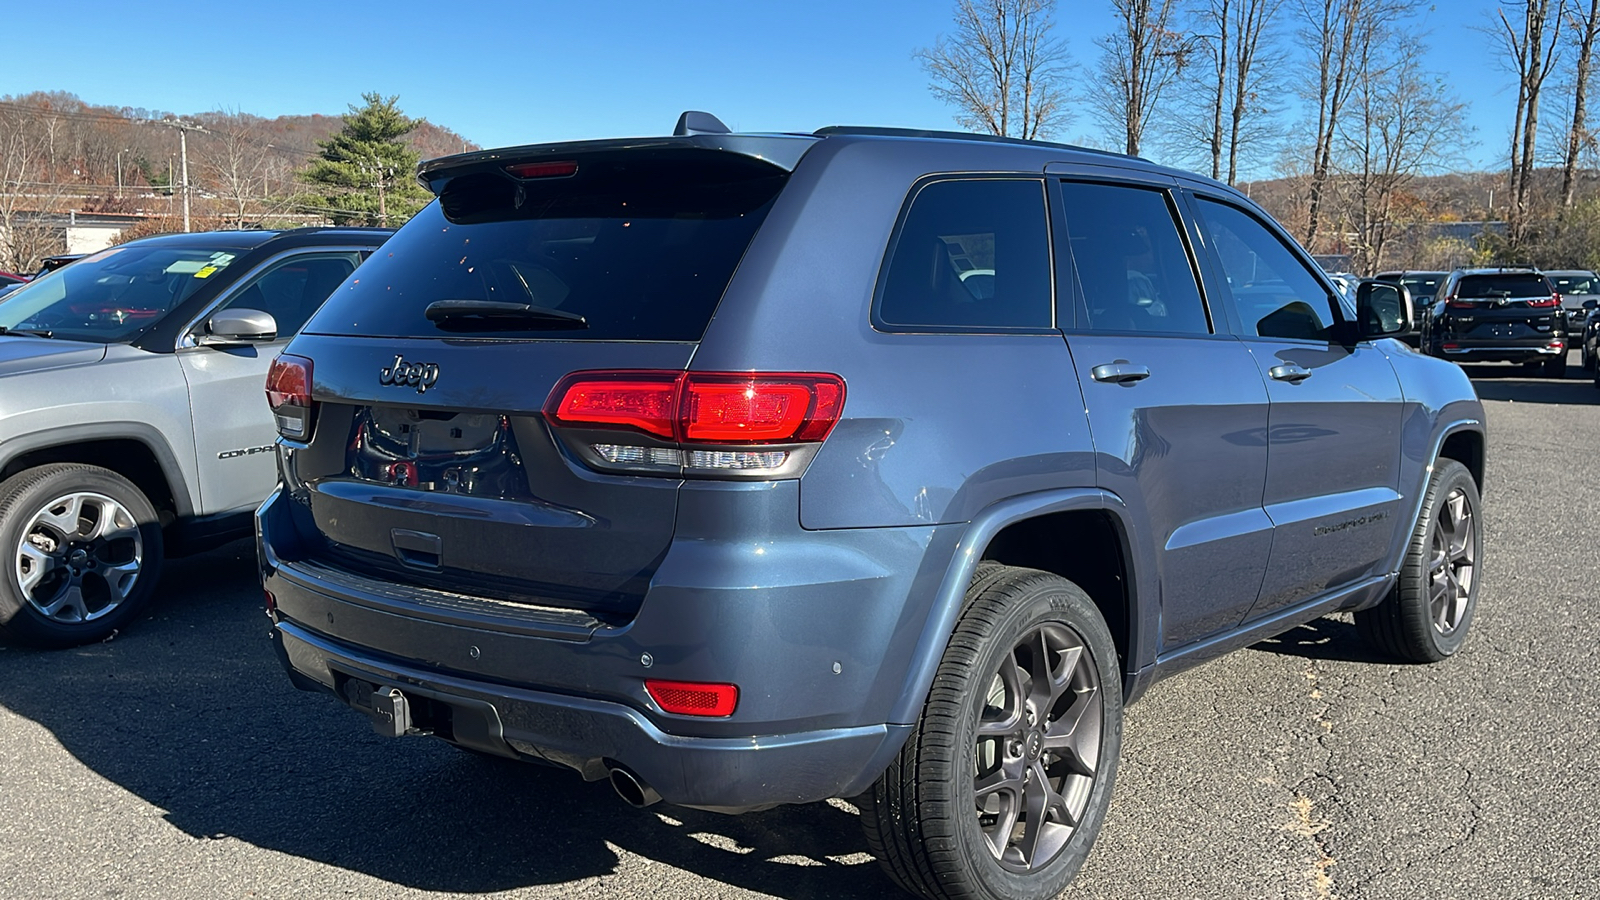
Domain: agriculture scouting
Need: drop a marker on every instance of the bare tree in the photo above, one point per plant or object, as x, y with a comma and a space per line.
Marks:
1139, 60
1002, 69
1335, 31
1402, 123
1233, 37
1532, 47
235, 160
1587, 27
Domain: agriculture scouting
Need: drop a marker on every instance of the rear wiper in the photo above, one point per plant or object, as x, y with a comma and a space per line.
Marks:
35, 332
499, 314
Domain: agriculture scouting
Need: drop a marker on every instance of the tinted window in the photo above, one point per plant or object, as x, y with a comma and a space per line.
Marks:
1505, 284
971, 254
114, 295
1274, 294
1131, 264
641, 246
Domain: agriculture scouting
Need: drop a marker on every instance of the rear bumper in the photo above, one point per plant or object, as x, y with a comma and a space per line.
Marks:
816, 628
590, 736
1502, 352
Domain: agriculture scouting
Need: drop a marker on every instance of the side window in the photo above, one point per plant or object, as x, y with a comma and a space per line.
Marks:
1131, 264
294, 288
971, 255
1274, 293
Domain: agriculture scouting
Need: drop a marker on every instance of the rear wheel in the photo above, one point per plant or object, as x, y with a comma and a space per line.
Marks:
1003, 784
1426, 617
1556, 367
83, 553
1588, 361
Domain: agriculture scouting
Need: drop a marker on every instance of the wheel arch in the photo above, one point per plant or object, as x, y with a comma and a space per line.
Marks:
1083, 534
134, 450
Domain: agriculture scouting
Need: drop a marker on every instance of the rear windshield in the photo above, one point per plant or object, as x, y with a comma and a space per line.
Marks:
641, 249
1515, 284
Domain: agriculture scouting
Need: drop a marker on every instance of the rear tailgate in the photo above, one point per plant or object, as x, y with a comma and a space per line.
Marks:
430, 461
1518, 307
462, 487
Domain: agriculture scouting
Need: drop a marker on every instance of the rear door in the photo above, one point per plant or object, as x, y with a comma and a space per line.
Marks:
232, 425
431, 461
1177, 408
1334, 428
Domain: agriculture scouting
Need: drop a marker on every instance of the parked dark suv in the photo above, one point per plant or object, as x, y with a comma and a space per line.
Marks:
1498, 315
757, 469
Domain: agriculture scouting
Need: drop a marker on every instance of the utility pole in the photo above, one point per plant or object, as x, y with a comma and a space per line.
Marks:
183, 150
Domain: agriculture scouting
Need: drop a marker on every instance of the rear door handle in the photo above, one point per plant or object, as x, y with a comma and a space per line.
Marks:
1290, 372
1120, 372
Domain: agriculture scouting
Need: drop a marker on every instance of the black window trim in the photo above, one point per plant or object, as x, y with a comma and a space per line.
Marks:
876, 319
1069, 267
1335, 300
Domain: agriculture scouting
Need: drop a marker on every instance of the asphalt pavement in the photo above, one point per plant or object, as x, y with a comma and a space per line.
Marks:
175, 761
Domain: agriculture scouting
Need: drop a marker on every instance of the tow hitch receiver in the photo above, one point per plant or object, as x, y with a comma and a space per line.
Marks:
387, 707
391, 714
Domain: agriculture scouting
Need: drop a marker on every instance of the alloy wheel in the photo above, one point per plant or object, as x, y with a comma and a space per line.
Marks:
79, 558
1038, 746
1452, 562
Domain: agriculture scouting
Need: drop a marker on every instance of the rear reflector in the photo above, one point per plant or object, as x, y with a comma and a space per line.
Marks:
543, 169
688, 698
289, 395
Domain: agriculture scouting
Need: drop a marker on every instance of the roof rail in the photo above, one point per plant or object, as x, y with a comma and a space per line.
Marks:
874, 131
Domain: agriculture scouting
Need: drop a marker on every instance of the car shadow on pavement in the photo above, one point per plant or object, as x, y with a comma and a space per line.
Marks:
1330, 639
190, 711
1508, 382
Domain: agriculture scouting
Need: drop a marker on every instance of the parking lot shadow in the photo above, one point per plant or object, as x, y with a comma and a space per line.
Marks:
189, 711
1508, 382
1328, 638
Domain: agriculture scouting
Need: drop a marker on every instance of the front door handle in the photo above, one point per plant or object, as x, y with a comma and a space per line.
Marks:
1290, 372
1120, 372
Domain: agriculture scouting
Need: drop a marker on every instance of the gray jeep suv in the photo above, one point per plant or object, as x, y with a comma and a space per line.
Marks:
132, 424
756, 469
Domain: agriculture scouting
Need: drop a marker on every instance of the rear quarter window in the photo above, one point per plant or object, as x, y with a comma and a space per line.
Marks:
971, 255
642, 248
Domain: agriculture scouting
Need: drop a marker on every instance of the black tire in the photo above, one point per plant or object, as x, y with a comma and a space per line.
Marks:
111, 560
1425, 619
1556, 367
1587, 360
923, 819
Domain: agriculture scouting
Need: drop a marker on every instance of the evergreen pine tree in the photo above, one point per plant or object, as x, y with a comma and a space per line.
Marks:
366, 175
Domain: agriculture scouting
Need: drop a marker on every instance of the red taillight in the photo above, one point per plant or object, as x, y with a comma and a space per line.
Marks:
543, 169
690, 698
289, 395
702, 407
722, 408
642, 401
1552, 300
1450, 302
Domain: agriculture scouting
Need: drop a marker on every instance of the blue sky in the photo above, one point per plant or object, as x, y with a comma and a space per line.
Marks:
502, 73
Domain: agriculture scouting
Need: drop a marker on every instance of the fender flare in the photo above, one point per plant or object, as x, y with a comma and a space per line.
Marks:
1143, 616
1403, 537
141, 432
